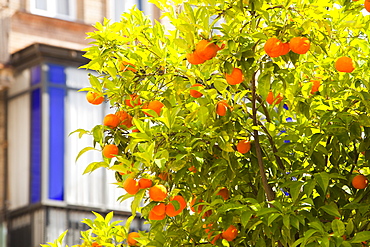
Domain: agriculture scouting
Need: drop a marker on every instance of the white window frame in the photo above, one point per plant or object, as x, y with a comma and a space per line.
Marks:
147, 8
52, 10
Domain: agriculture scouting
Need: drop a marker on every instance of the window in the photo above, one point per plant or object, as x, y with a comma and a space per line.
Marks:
117, 7
62, 9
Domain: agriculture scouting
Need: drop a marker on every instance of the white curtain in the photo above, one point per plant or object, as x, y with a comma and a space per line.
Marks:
19, 151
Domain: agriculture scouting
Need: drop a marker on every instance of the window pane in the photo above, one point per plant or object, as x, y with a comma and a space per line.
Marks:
121, 6
63, 7
41, 4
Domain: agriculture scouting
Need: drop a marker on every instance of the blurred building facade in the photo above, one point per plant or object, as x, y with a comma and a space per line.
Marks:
42, 189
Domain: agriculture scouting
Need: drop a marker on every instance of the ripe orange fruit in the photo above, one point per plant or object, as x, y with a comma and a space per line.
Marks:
275, 47
192, 169
360, 182
158, 192
285, 48
124, 118
278, 99
124, 66
315, 86
111, 120
274, 100
171, 209
300, 45
163, 176
193, 58
110, 151
230, 233
94, 98
131, 186
195, 93
236, 77
217, 237
95, 244
159, 209
155, 106
154, 216
367, 5
221, 108
344, 64
243, 146
270, 98
197, 209
224, 192
131, 238
145, 183
133, 100
206, 50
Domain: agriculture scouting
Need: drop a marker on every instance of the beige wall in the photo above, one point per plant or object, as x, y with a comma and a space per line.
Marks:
27, 29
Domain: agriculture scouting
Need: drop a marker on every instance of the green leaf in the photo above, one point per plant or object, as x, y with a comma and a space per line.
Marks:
331, 209
272, 218
338, 227
84, 150
264, 211
135, 205
323, 180
95, 165
245, 217
361, 237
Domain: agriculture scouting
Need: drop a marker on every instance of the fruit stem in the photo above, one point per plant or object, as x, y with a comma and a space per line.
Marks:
268, 190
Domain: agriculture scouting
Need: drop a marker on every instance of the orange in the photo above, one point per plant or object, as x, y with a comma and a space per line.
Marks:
207, 227
243, 146
193, 58
123, 66
94, 98
367, 5
197, 209
163, 176
274, 100
95, 244
159, 209
224, 192
158, 192
360, 182
206, 50
192, 169
124, 118
217, 237
145, 183
133, 100
195, 93
315, 86
278, 99
236, 77
230, 233
285, 48
275, 47
154, 216
270, 98
131, 238
344, 64
300, 45
110, 150
171, 209
155, 106
111, 120
221, 108
131, 186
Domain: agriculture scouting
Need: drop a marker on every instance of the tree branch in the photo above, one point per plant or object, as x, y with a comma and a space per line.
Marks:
269, 193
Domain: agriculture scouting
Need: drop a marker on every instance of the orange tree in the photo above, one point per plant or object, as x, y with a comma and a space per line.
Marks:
248, 119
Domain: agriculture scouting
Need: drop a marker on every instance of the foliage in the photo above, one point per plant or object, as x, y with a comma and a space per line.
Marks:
293, 188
